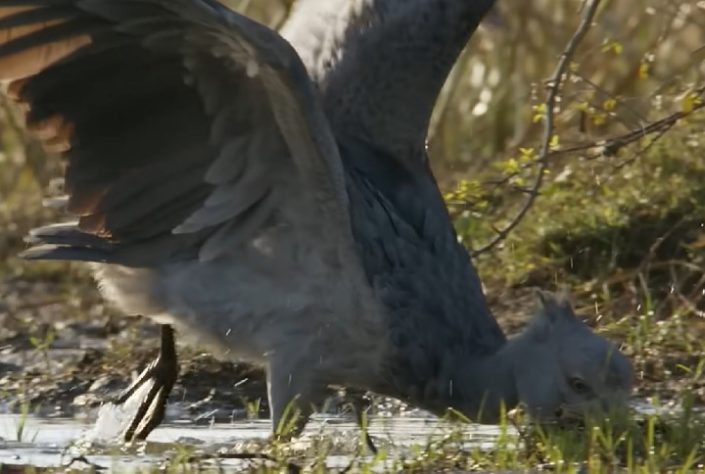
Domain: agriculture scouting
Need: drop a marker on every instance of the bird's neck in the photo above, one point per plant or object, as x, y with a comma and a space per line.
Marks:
480, 388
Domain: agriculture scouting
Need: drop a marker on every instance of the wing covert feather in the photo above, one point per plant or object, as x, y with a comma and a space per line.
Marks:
184, 126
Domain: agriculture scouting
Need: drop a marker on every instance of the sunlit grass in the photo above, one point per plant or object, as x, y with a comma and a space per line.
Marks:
648, 443
671, 440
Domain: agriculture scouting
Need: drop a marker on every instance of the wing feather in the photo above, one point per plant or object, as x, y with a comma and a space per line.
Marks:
186, 128
379, 60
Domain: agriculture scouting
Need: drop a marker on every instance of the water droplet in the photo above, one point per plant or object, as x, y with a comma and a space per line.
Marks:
252, 69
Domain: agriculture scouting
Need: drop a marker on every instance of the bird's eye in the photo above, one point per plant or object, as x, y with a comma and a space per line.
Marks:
578, 385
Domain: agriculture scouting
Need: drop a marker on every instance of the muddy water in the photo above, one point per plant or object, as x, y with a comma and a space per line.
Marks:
55, 442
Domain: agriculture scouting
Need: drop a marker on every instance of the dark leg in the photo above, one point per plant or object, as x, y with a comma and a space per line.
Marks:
161, 373
360, 405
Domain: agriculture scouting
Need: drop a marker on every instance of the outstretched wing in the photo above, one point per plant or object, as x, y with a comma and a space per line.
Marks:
186, 128
381, 63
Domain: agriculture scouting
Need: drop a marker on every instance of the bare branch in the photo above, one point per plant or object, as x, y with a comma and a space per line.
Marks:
554, 87
611, 146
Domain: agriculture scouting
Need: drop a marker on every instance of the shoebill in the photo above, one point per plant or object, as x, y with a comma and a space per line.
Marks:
269, 196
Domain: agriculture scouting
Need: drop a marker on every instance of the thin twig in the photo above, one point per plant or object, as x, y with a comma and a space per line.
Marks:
610, 146
84, 460
554, 87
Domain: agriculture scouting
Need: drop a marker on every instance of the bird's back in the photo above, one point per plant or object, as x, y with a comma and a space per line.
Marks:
424, 278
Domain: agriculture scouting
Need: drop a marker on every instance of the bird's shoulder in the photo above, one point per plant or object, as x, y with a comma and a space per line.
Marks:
411, 255
399, 196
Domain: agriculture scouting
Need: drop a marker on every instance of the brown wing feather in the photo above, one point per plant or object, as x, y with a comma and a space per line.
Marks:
145, 100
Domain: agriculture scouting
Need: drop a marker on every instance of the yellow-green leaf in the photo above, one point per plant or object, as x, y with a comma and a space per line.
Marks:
609, 104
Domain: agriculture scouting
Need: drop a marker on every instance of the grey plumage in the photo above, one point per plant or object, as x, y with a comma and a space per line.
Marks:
276, 203
381, 64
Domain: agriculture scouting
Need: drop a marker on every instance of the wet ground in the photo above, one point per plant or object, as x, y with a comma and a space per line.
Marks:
63, 356
60, 442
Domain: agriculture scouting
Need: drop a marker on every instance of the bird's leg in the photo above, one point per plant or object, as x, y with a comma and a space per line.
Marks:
291, 397
162, 374
360, 405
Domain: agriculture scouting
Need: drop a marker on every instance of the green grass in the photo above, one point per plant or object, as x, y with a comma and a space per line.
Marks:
667, 443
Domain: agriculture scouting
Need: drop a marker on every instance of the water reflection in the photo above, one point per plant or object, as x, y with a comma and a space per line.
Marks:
54, 442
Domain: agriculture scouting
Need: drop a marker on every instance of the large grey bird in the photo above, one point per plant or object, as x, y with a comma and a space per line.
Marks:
277, 206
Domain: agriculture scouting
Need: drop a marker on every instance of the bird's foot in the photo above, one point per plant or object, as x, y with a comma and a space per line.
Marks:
159, 376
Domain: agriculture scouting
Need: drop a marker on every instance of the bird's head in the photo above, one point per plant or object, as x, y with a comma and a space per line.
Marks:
564, 370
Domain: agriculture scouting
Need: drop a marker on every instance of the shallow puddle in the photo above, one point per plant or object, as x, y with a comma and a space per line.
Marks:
33, 441
55, 442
